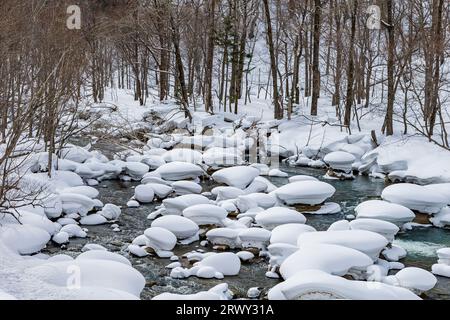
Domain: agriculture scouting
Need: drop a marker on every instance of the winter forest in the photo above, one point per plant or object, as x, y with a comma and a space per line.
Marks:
224, 149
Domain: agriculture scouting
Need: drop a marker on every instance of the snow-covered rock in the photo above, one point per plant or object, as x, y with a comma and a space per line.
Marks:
160, 190
383, 210
160, 239
277, 173
340, 160
289, 233
103, 255
219, 292
254, 238
255, 200
302, 178
305, 192
144, 193
385, 228
319, 285
175, 171
416, 279
415, 197
224, 236
136, 170
333, 259
175, 206
239, 176
205, 214
93, 220
186, 187
111, 211
181, 227
183, 155
442, 218
368, 242
226, 263
275, 216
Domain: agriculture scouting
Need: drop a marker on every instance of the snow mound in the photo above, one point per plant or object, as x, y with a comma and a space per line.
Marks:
367, 242
383, 210
276, 216
160, 239
254, 238
415, 197
305, 192
205, 214
239, 177
319, 285
181, 227
340, 160
176, 170
175, 206
289, 233
333, 259
186, 187
183, 155
384, 228
144, 193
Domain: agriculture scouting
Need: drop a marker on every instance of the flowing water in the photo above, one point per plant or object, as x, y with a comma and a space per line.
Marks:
421, 243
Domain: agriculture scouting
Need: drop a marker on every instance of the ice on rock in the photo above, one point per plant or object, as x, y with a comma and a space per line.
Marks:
416, 279
367, 242
276, 216
24, 239
144, 193
111, 211
83, 190
415, 197
186, 187
383, 210
93, 220
103, 255
226, 263
175, 206
255, 200
160, 190
61, 237
183, 155
175, 171
340, 160
333, 259
254, 238
136, 170
305, 192
160, 239
205, 214
385, 228
181, 227
302, 178
319, 285
239, 176
289, 233
224, 236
